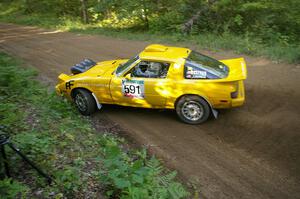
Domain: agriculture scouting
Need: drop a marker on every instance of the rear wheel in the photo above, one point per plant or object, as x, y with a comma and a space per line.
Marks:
192, 109
84, 102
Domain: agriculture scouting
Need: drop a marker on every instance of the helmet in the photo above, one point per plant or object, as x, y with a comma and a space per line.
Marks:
155, 67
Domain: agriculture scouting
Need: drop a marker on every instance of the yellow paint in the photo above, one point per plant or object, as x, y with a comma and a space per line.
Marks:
159, 93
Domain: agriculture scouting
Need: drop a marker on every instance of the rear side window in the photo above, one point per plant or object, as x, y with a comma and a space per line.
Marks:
198, 66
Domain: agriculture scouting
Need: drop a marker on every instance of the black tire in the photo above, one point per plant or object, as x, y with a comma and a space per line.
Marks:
84, 102
192, 109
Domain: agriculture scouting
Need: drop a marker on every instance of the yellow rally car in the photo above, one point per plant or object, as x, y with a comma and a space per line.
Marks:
159, 77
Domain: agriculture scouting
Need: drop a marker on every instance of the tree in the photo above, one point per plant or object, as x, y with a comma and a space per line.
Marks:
188, 25
84, 11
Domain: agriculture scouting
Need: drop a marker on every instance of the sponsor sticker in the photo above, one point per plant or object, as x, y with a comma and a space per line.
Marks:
196, 73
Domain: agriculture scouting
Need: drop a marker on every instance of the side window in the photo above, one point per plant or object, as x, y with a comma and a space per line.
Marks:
194, 71
150, 69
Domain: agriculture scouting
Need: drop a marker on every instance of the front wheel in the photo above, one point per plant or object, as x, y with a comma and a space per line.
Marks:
192, 109
84, 102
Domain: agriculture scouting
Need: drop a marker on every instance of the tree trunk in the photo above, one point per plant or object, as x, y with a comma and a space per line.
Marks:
188, 25
85, 16
145, 15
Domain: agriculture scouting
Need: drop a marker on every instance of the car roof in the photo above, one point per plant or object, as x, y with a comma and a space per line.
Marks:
164, 53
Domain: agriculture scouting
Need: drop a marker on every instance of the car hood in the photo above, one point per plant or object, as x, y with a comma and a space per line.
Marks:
100, 69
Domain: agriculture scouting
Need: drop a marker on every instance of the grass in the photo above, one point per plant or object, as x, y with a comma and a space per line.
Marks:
277, 50
83, 162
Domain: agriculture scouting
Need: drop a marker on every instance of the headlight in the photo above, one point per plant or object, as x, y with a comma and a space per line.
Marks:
62, 78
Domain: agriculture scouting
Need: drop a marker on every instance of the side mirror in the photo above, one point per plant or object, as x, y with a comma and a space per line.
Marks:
128, 76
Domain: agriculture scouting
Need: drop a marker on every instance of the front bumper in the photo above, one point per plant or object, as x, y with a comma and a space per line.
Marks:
57, 89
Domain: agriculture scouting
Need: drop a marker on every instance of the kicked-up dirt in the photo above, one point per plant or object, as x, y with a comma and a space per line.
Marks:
248, 152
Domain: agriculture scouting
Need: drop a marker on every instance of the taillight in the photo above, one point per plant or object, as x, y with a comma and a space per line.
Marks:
236, 92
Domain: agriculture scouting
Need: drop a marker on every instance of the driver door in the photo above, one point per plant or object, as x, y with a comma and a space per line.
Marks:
148, 89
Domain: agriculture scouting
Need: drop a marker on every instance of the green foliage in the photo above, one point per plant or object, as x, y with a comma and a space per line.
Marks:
132, 175
38, 143
167, 23
69, 180
264, 28
235, 16
10, 189
32, 114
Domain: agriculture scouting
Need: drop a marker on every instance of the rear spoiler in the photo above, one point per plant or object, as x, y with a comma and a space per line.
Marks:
237, 69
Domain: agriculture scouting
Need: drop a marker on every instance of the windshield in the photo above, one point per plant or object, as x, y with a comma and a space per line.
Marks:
123, 67
208, 64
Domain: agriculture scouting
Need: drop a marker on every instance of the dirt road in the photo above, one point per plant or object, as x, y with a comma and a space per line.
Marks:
249, 152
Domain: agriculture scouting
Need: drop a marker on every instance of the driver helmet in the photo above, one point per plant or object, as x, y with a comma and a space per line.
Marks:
155, 67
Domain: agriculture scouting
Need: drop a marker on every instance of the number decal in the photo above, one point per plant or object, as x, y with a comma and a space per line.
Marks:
69, 84
133, 88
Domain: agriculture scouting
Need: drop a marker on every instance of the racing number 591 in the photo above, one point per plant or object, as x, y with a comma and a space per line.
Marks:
132, 89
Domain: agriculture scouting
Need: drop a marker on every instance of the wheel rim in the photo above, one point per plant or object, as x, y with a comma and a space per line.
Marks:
192, 110
81, 102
